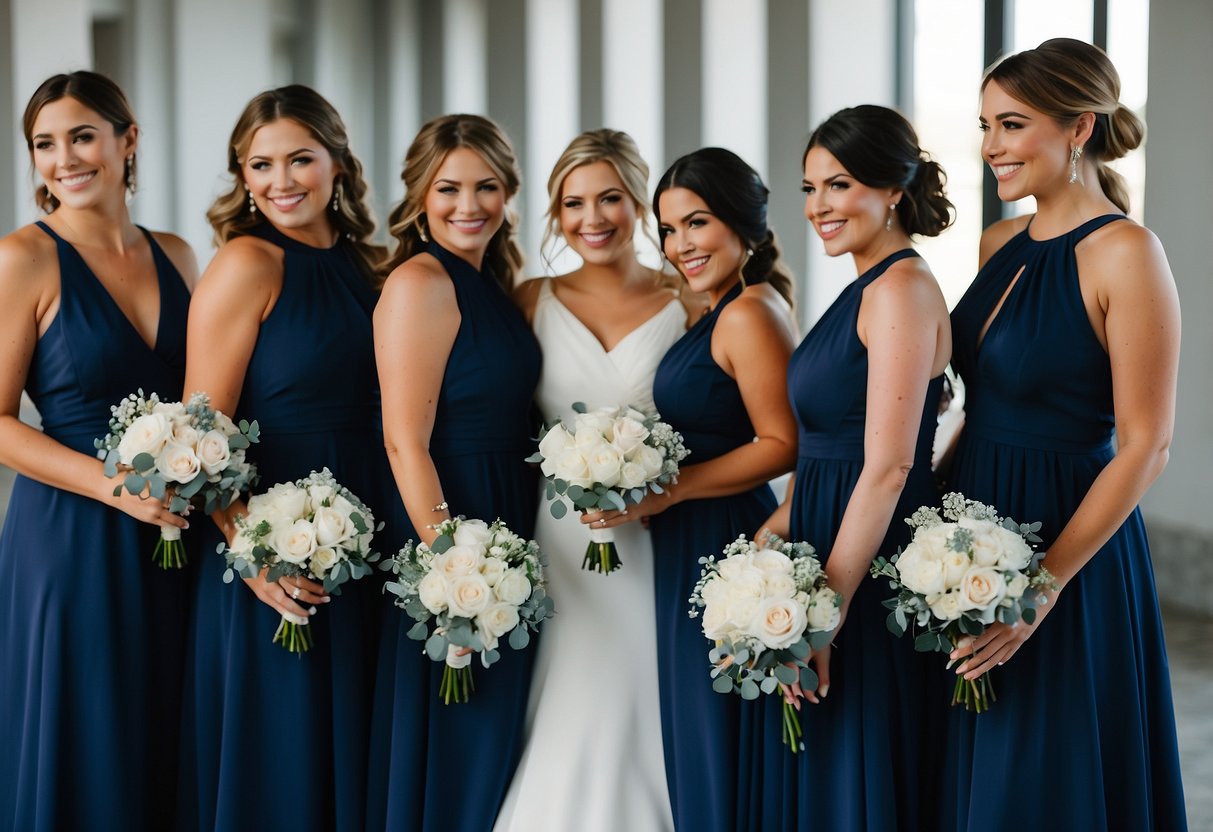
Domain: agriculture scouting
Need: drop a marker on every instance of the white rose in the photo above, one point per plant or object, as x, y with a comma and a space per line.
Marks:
186, 435
318, 495
213, 452
513, 587
734, 566
946, 607
177, 463
492, 569
146, 435
716, 593
780, 586
587, 438
650, 459
324, 559
770, 562
716, 622
605, 463
473, 533
1016, 553
933, 541
555, 442
987, 544
628, 434
225, 425
982, 588
285, 499
468, 596
497, 620
919, 573
332, 527
295, 542
1017, 586
458, 561
632, 475
432, 591
955, 566
824, 613
779, 622
600, 419
573, 468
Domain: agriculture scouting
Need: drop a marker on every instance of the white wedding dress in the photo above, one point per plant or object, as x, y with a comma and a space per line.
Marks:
593, 760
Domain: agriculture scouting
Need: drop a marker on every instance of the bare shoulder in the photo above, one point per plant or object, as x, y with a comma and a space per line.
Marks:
1123, 256
907, 283
180, 254
419, 280
998, 234
29, 263
757, 310
246, 265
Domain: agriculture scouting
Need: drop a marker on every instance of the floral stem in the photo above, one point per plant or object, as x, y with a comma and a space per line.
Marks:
169, 554
295, 638
975, 694
457, 684
792, 731
601, 557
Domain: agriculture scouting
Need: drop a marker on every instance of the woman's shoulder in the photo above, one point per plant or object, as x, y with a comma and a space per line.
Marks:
998, 234
28, 259
180, 254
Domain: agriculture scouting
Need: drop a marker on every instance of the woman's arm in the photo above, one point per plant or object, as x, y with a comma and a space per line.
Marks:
1140, 328
416, 321
29, 288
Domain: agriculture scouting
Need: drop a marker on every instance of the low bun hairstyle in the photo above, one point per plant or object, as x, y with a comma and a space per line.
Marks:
94, 91
879, 148
1064, 78
734, 192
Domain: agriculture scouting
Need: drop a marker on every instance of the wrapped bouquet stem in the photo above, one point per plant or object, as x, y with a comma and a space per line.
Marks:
607, 459
957, 576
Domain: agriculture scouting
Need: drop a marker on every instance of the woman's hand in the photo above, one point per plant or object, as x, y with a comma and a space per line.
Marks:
288, 596
998, 643
821, 661
653, 503
144, 508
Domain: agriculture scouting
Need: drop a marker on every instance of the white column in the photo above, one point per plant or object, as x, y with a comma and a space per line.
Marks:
735, 79
157, 198
398, 103
464, 67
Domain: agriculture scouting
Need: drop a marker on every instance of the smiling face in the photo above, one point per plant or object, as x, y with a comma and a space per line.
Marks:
79, 156
597, 215
465, 205
290, 175
700, 245
849, 216
1028, 151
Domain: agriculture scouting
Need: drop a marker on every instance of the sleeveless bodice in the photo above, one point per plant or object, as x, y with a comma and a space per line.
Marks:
828, 381
491, 372
697, 397
91, 356
313, 366
1039, 378
575, 362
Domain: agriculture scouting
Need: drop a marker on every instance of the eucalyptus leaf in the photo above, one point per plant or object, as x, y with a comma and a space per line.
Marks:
616, 502
722, 684
143, 462
178, 504
519, 638
134, 483
820, 638
193, 486
749, 690
808, 678
574, 491
785, 674
559, 509
769, 684
442, 543
435, 647
926, 642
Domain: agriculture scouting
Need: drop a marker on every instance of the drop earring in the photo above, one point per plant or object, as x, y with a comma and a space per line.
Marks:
252, 204
888, 223
421, 230
130, 174
1075, 156
336, 197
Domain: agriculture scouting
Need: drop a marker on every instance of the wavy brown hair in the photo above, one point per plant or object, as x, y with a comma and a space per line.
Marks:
436, 139
1064, 78
230, 216
94, 91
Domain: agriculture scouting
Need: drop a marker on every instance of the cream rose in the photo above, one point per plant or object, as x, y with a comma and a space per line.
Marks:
213, 452
823, 613
186, 435
432, 591
468, 596
982, 588
573, 468
933, 541
295, 542
492, 569
946, 607
497, 620
716, 622
628, 434
955, 566
779, 622
1017, 586
1016, 553
918, 573
770, 562
318, 495
631, 475
513, 587
650, 459
780, 585
146, 435
459, 560
332, 527
473, 533
284, 499
323, 561
177, 463
734, 566
605, 463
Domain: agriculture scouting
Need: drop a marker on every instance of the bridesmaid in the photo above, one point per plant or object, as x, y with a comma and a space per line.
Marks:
1068, 343
723, 386
92, 634
603, 328
281, 332
865, 384
458, 365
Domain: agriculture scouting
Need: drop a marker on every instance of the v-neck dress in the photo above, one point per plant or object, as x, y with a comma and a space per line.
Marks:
1083, 733
92, 632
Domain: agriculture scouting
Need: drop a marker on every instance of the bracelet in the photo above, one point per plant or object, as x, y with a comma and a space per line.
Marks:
441, 506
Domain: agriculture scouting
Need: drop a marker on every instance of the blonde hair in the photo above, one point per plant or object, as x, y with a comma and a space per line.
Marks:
434, 142
1064, 78
230, 216
619, 150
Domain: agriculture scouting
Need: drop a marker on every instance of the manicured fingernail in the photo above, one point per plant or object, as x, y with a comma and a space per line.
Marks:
311, 610
825, 689
327, 599
187, 525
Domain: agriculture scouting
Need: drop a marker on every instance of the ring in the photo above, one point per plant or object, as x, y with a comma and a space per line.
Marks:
602, 522
295, 594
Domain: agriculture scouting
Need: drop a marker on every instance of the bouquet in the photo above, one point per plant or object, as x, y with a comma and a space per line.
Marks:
958, 576
477, 582
765, 610
312, 528
185, 451
607, 459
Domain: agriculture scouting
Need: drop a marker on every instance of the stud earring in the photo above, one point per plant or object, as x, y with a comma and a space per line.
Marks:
337, 197
888, 223
1075, 156
252, 204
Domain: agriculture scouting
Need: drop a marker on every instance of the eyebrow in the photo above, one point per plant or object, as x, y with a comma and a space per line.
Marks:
1007, 114
289, 155
696, 211
827, 180
454, 182
610, 190
71, 132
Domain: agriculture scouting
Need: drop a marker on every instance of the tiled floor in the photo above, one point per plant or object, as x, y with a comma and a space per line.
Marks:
1190, 646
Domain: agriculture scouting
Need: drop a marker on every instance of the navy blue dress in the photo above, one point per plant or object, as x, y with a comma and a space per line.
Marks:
92, 633
699, 726
870, 741
444, 767
1086, 701
276, 740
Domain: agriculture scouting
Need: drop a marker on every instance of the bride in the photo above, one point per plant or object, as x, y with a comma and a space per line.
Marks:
593, 756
